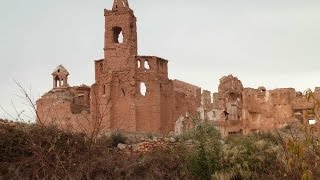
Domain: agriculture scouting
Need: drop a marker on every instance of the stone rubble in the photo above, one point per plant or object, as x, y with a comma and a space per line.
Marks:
147, 146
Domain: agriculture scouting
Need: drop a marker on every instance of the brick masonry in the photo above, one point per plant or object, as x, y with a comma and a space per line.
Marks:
133, 93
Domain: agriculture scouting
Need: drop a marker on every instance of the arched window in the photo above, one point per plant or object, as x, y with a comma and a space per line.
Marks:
146, 65
143, 89
139, 63
56, 82
117, 35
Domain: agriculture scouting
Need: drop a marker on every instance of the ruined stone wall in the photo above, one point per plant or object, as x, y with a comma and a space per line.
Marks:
187, 103
188, 98
238, 110
206, 100
118, 54
167, 103
133, 93
115, 87
266, 110
58, 108
155, 104
148, 96
226, 110
81, 99
123, 108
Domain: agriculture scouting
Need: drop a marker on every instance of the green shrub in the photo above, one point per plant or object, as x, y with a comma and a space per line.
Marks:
251, 157
300, 151
204, 157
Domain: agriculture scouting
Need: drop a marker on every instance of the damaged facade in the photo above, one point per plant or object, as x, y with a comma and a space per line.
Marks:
238, 110
133, 93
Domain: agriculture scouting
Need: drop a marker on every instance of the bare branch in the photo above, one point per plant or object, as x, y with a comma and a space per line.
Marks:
29, 100
6, 112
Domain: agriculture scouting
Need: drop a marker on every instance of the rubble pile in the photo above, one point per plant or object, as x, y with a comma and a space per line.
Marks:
147, 145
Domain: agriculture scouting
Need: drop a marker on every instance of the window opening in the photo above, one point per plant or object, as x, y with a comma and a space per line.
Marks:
118, 35
143, 89
56, 81
312, 121
139, 64
146, 65
120, 38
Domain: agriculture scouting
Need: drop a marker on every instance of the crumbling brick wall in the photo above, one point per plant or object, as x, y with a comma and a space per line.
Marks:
63, 108
133, 93
255, 110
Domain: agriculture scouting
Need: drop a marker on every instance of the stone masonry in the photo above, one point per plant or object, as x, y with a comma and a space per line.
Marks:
133, 93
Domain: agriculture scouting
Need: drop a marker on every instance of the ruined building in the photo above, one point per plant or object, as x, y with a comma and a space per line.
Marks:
239, 110
133, 93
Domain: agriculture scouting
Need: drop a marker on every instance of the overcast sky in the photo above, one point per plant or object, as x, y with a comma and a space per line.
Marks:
271, 43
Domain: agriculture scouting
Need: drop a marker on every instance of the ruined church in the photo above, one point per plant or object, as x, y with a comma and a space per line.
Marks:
132, 93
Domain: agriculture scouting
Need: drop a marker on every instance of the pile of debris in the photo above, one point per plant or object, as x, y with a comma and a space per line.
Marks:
146, 145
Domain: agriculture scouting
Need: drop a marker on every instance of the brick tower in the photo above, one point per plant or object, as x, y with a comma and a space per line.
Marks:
131, 92
60, 77
120, 35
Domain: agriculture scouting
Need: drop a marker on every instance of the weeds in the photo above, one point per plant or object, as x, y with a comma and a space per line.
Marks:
37, 152
117, 138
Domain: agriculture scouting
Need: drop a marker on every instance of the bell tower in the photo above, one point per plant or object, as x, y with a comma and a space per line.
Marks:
60, 77
120, 35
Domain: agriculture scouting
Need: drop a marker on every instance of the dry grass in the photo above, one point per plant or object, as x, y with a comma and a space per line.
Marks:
35, 152
29, 151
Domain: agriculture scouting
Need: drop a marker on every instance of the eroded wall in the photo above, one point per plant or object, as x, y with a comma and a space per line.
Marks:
238, 110
133, 93
67, 108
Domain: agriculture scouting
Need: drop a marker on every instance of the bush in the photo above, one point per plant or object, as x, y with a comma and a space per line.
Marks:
251, 157
204, 157
300, 151
117, 138
38, 152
